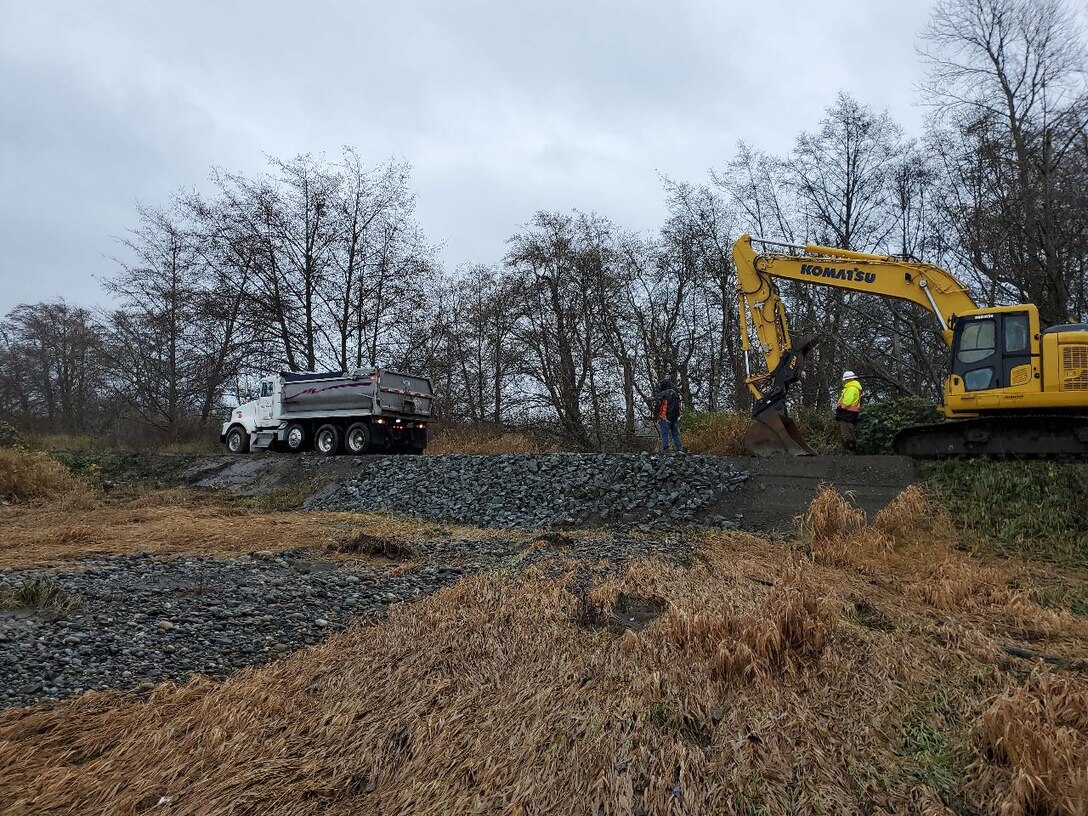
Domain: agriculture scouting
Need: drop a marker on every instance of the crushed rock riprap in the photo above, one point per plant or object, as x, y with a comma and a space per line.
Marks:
546, 490
141, 620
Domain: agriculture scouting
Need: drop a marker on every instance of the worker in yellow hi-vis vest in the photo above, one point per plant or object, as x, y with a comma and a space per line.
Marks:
849, 408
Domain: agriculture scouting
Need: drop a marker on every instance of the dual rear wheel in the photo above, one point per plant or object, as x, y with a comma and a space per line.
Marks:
356, 440
329, 438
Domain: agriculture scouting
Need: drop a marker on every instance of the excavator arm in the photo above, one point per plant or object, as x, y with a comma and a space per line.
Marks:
763, 314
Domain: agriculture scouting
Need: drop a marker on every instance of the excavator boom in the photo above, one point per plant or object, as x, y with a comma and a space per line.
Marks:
1021, 389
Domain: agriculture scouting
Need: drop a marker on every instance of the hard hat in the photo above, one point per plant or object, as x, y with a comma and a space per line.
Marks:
848, 375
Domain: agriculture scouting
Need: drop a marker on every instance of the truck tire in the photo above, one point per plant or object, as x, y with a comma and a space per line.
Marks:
327, 440
357, 439
295, 437
237, 440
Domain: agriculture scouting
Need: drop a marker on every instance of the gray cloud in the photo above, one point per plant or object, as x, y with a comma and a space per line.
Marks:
502, 108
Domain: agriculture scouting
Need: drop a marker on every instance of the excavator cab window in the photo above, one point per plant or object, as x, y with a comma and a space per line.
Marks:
1016, 333
976, 341
988, 348
976, 353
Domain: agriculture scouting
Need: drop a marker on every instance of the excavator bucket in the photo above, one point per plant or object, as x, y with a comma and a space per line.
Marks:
773, 432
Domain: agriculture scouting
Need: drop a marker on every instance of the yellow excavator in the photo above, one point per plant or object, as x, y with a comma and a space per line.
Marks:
1015, 388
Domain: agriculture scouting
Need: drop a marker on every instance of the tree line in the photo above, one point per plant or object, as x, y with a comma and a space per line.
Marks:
319, 263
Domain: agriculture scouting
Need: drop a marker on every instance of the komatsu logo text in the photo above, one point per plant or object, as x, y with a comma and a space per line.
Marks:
855, 275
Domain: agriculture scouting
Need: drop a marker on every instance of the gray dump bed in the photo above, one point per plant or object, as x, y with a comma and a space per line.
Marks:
365, 391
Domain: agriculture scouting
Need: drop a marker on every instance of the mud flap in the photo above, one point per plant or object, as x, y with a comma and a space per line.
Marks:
773, 432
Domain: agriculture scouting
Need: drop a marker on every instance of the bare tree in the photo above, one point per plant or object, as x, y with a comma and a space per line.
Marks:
1007, 77
841, 175
52, 366
559, 331
156, 336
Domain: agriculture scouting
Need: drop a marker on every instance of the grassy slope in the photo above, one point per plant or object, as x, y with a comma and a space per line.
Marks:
1037, 510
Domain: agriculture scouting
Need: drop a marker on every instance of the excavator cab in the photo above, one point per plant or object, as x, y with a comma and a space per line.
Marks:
995, 357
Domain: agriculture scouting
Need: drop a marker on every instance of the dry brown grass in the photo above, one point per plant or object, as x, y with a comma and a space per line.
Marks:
29, 475
494, 696
491, 697
718, 434
177, 522
364, 543
755, 686
915, 517
911, 545
484, 441
1031, 748
838, 533
833, 527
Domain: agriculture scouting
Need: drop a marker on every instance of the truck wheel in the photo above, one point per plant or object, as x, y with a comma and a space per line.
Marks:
237, 440
295, 437
357, 439
327, 440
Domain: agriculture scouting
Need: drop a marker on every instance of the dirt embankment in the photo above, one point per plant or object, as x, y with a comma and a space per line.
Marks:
780, 488
775, 492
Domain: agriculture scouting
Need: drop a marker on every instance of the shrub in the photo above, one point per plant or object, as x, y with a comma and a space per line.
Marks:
881, 421
10, 436
31, 475
1033, 509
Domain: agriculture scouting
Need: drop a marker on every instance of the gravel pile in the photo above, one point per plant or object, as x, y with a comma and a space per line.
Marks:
548, 490
141, 620
145, 620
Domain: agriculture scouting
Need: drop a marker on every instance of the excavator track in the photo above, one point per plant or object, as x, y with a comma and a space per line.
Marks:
1021, 436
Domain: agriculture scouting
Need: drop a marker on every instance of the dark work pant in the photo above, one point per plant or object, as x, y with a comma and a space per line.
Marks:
669, 429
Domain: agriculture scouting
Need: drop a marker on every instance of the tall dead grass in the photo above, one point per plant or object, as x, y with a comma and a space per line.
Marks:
1031, 749
915, 517
492, 697
793, 621
752, 691
28, 475
838, 533
911, 544
833, 527
717, 434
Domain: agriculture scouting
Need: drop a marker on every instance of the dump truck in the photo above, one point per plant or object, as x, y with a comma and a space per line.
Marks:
357, 412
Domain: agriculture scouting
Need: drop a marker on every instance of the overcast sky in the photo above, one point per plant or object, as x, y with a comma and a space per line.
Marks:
502, 107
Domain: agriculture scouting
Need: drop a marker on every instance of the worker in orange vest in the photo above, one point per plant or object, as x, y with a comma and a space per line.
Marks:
666, 406
849, 408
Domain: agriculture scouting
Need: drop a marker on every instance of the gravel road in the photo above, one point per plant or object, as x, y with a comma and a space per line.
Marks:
519, 490
547, 490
